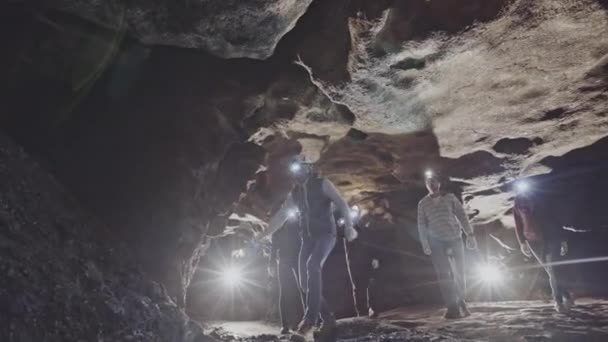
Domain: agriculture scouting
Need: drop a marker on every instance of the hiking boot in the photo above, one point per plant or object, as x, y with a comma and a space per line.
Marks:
560, 308
372, 314
453, 312
328, 326
285, 331
464, 310
305, 327
568, 302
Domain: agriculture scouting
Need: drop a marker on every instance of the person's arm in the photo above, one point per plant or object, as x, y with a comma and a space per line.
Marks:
519, 227
330, 191
334, 195
461, 215
278, 219
423, 228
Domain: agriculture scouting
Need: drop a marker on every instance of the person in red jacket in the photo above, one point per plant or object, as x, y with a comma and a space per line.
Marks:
541, 238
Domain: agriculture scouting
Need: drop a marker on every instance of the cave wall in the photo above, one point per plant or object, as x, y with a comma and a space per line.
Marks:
156, 148
62, 280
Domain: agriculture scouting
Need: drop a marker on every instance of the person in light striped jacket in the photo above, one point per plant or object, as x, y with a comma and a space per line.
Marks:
441, 220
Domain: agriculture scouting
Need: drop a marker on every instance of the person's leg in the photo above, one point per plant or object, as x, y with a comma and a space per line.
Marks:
320, 251
298, 297
542, 252
358, 276
555, 275
457, 248
443, 269
459, 274
283, 276
372, 294
305, 250
290, 298
349, 269
360, 284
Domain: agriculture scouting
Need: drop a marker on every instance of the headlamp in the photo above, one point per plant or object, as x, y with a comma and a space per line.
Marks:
522, 186
232, 276
490, 273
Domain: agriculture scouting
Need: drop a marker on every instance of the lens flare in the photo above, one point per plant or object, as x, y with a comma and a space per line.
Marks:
522, 186
232, 276
489, 273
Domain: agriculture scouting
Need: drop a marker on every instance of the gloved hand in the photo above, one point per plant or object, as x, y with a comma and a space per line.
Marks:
471, 242
375, 264
525, 250
427, 250
564, 249
350, 233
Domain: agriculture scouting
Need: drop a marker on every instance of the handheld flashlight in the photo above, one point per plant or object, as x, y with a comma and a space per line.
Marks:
295, 167
489, 273
354, 212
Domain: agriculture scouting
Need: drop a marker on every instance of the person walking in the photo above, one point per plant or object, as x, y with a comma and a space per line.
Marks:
310, 203
539, 236
363, 260
441, 221
284, 254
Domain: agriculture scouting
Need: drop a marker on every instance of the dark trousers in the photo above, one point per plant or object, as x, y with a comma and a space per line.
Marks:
362, 276
313, 253
547, 252
448, 260
291, 305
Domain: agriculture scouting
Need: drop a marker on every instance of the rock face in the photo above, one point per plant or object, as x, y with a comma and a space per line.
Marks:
228, 29
61, 281
480, 94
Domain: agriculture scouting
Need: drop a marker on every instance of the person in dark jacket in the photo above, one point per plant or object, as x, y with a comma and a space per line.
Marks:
310, 203
539, 236
284, 255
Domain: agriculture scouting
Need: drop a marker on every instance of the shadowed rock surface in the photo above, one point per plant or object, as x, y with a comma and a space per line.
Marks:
228, 29
61, 281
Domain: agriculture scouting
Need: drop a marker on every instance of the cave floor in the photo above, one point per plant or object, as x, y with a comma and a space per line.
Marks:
493, 322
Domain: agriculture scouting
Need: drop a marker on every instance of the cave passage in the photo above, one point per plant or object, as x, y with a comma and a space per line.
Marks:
266, 170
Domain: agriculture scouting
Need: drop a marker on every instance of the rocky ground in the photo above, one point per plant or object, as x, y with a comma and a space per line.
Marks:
523, 321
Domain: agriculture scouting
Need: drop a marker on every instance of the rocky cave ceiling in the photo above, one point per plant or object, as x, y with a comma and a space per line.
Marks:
484, 90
